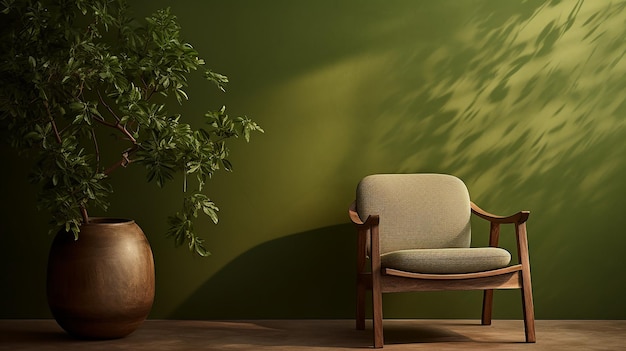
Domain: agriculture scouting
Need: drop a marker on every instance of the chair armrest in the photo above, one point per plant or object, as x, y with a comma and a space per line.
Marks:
354, 216
518, 218
367, 240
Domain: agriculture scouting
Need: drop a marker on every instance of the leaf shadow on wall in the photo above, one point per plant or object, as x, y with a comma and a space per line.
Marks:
512, 99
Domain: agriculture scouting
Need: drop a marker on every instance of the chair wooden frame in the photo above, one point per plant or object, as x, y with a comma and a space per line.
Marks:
384, 280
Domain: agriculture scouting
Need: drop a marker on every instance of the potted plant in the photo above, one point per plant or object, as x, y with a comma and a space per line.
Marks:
73, 72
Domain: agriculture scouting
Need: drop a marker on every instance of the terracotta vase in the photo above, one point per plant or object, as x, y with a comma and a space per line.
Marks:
101, 286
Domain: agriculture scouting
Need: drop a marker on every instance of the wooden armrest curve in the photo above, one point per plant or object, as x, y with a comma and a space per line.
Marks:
519, 217
354, 216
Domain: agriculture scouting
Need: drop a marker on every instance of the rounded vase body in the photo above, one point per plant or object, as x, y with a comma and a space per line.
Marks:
101, 286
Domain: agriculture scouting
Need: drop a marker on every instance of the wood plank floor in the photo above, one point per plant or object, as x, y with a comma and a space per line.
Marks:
161, 335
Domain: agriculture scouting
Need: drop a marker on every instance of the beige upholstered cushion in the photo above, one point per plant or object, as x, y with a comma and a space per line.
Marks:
417, 211
457, 260
425, 224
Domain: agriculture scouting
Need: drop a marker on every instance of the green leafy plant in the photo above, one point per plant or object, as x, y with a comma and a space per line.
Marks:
74, 70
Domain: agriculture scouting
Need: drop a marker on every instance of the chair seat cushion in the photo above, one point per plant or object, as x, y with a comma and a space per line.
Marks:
447, 261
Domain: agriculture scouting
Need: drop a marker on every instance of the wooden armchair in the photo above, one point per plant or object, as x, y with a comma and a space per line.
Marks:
416, 237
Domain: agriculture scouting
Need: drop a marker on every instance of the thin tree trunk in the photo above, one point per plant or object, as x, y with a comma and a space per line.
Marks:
83, 212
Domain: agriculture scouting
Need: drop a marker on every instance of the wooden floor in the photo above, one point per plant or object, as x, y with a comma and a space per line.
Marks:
157, 335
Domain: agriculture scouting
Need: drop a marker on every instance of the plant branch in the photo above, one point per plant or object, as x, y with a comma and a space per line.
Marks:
125, 155
154, 89
54, 125
96, 147
105, 123
108, 108
148, 90
80, 89
83, 213
125, 161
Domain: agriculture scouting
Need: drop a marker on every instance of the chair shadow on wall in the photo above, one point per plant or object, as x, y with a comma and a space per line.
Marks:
306, 275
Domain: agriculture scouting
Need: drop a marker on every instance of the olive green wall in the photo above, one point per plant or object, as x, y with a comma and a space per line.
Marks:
523, 100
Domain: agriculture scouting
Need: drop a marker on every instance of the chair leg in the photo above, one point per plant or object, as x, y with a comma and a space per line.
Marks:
360, 305
487, 307
527, 290
529, 310
377, 299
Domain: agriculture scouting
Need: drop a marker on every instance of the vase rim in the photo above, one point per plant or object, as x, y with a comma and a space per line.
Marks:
109, 221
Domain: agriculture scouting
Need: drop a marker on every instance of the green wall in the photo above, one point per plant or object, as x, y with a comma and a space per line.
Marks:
523, 100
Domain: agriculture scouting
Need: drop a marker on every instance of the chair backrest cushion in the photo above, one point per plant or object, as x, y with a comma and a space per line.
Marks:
417, 211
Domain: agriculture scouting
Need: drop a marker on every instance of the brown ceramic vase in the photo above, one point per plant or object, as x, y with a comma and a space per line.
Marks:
101, 286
